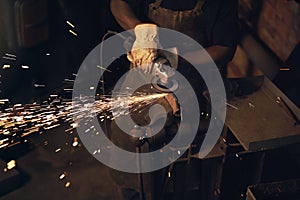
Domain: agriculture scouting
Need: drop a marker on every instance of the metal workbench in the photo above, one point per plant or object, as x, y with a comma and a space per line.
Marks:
262, 121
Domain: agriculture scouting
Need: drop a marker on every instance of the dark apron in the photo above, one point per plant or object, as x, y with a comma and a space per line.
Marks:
189, 22
193, 24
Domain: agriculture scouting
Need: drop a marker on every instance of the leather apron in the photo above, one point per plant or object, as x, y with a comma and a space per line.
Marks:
189, 22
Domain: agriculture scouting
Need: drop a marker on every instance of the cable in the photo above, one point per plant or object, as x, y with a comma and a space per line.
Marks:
101, 65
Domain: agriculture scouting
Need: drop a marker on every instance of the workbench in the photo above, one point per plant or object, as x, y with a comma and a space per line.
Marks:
264, 119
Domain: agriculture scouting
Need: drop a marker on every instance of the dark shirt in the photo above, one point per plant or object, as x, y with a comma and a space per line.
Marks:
221, 17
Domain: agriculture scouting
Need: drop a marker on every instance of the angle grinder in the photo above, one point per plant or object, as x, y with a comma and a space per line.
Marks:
163, 70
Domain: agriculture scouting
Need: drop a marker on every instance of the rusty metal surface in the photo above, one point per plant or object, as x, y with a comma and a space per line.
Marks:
260, 121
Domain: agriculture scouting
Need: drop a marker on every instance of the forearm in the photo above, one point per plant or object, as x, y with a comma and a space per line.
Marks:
124, 14
221, 55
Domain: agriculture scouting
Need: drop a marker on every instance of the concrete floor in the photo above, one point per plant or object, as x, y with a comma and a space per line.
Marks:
88, 177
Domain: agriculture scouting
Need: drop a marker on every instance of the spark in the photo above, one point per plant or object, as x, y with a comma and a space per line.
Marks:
4, 100
10, 55
62, 176
20, 121
39, 85
8, 58
97, 151
11, 164
51, 127
25, 67
70, 24
69, 129
73, 33
103, 68
6, 67
251, 105
284, 69
3, 146
57, 150
69, 80
75, 142
67, 184
232, 106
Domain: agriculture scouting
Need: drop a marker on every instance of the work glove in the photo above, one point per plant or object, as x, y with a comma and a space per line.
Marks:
144, 49
144, 52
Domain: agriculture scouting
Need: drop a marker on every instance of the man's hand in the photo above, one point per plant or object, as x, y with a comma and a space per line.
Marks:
142, 58
144, 49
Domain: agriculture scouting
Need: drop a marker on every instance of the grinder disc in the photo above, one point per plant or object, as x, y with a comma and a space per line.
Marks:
171, 86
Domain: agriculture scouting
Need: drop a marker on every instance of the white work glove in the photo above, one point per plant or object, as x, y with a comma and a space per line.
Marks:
144, 52
144, 49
